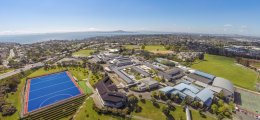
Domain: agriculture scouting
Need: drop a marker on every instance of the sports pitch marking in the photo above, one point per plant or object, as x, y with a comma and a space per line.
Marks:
47, 90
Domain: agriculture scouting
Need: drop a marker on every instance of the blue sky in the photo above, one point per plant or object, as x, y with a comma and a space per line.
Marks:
196, 16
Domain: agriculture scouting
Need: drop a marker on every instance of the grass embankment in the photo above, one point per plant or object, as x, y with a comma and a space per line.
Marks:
151, 112
87, 113
83, 53
5, 70
227, 68
84, 87
15, 99
148, 112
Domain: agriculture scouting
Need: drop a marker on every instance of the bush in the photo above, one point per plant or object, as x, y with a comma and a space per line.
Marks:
8, 110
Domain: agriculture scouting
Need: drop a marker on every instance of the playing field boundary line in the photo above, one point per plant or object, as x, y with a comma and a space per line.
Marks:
53, 97
52, 93
50, 86
51, 79
53, 75
73, 80
58, 72
26, 96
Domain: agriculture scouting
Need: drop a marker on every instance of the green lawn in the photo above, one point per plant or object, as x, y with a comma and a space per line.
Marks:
15, 99
132, 46
79, 73
151, 112
147, 47
5, 70
87, 113
83, 53
225, 67
84, 87
155, 48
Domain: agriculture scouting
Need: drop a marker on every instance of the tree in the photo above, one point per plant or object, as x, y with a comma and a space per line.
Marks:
222, 109
169, 104
143, 47
220, 102
154, 94
166, 110
231, 106
162, 95
167, 47
140, 96
153, 100
214, 108
8, 110
201, 56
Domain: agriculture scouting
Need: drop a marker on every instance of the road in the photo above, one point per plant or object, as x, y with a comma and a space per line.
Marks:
16, 71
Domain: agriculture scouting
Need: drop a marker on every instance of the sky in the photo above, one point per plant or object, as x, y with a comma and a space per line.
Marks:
192, 16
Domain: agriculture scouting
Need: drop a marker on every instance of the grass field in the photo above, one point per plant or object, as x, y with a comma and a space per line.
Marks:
148, 111
225, 67
155, 48
82, 53
132, 46
87, 113
151, 112
151, 48
84, 87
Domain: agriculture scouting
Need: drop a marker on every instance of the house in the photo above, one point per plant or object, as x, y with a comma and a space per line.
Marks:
193, 77
147, 83
108, 94
123, 76
171, 74
226, 86
184, 90
196, 75
136, 69
121, 61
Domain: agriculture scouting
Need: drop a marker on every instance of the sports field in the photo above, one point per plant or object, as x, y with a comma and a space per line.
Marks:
151, 48
49, 89
225, 67
249, 101
82, 53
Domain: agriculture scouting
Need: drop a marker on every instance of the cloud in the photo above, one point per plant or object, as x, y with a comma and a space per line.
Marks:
228, 25
14, 32
92, 29
243, 28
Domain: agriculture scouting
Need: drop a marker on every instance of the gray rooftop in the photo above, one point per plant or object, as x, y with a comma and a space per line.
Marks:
223, 83
140, 71
123, 76
149, 81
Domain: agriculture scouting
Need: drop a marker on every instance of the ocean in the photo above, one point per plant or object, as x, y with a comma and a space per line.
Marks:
33, 38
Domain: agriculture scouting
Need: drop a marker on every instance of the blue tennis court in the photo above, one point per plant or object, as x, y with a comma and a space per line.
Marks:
50, 89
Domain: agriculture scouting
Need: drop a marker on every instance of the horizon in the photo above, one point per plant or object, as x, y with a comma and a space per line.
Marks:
203, 17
